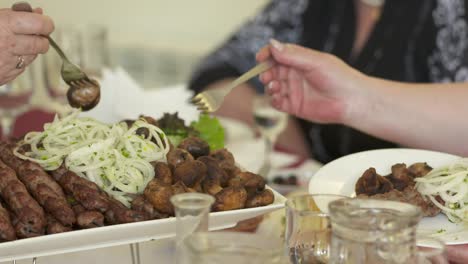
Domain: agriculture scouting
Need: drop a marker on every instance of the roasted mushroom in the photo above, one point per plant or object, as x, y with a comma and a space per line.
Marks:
224, 157
191, 173
262, 198
215, 175
143, 131
235, 182
86, 95
195, 146
252, 182
159, 194
211, 184
231, 170
177, 156
179, 187
230, 198
162, 172
141, 204
149, 119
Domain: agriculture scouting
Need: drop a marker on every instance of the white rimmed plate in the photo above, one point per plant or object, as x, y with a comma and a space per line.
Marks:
340, 176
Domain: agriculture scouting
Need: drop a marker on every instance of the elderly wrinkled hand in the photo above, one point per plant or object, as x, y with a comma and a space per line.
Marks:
21, 40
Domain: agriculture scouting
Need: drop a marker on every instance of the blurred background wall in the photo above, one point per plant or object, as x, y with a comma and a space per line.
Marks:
153, 39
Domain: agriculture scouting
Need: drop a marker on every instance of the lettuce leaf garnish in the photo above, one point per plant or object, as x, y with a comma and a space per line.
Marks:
206, 127
210, 130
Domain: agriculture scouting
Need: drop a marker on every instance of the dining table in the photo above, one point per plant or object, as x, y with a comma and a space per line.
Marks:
241, 140
247, 147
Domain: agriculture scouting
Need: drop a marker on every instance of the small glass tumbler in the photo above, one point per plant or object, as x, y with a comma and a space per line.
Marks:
308, 228
15, 98
234, 248
373, 231
192, 214
269, 123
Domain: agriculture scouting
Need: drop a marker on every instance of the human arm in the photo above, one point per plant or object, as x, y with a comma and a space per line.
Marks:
427, 116
21, 34
321, 88
281, 19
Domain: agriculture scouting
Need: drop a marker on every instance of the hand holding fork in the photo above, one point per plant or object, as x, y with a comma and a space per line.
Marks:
84, 92
210, 100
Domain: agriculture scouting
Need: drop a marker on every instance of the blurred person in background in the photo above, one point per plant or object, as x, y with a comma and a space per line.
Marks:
322, 88
22, 38
397, 40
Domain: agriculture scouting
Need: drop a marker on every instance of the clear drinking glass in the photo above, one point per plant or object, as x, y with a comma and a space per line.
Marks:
14, 100
373, 231
195, 245
270, 123
192, 213
234, 248
308, 228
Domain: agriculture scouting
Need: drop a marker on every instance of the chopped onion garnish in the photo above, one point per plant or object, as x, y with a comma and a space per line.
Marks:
447, 188
115, 157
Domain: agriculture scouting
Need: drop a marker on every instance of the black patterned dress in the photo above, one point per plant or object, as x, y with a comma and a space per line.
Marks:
414, 41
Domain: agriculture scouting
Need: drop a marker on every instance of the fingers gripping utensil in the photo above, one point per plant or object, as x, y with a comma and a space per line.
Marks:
83, 92
210, 100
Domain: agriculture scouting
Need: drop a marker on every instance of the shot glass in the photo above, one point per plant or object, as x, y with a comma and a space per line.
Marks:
192, 216
308, 228
234, 248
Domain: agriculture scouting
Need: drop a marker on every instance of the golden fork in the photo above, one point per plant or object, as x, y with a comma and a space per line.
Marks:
84, 92
211, 100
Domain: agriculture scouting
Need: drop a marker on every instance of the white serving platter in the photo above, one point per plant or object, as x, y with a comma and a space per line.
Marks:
121, 234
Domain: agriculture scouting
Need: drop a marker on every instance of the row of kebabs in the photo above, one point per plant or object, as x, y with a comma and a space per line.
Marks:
34, 202
399, 185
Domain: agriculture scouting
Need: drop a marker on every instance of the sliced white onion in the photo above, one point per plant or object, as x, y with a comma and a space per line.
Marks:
449, 183
114, 157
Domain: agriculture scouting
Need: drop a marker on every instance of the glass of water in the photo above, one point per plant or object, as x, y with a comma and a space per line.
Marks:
308, 228
14, 100
270, 123
234, 248
192, 214
373, 231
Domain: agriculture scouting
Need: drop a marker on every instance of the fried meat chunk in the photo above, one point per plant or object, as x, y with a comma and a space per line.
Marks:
372, 183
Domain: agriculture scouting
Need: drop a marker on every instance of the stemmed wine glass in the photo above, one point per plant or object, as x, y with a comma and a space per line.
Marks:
14, 100
86, 47
270, 123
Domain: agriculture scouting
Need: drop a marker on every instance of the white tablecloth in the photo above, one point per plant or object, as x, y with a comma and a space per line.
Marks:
150, 252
